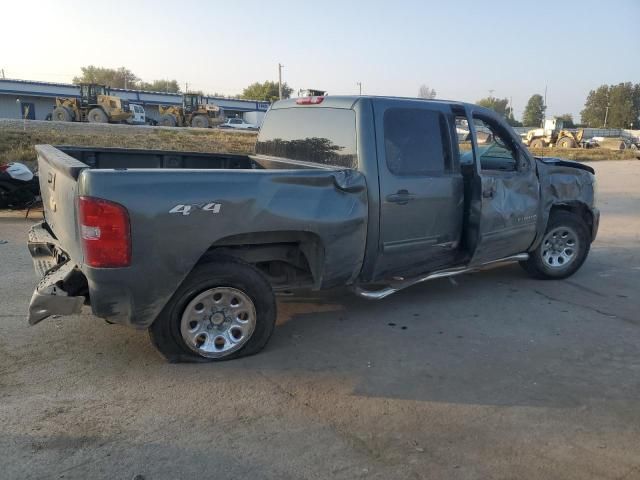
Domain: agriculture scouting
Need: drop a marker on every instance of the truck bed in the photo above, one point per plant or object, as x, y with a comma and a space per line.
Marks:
182, 204
126, 158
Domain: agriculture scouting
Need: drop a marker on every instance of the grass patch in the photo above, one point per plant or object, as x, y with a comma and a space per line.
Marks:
586, 154
16, 144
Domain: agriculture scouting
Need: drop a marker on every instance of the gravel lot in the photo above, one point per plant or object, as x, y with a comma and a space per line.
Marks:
493, 376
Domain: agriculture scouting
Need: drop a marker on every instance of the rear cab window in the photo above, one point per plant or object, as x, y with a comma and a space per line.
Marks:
320, 135
416, 142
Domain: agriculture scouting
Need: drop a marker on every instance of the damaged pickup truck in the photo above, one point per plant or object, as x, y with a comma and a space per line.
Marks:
373, 193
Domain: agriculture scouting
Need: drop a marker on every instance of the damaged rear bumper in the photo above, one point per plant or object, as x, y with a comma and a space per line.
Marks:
57, 291
49, 298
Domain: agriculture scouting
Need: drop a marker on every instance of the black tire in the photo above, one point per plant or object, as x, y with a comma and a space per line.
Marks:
567, 142
97, 115
62, 114
537, 143
537, 267
200, 121
218, 272
167, 121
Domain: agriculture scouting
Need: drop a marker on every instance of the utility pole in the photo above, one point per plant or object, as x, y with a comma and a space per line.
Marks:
3, 73
606, 115
544, 111
360, 87
491, 90
280, 66
186, 87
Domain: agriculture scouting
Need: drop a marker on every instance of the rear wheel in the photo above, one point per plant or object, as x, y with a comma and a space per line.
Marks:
567, 142
61, 114
537, 143
224, 309
167, 121
97, 115
563, 249
200, 121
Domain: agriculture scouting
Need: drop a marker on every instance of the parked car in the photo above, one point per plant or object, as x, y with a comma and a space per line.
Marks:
139, 117
238, 123
372, 193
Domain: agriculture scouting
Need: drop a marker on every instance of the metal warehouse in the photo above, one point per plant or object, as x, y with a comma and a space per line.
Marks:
37, 100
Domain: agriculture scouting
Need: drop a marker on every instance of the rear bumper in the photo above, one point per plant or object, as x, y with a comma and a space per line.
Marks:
52, 295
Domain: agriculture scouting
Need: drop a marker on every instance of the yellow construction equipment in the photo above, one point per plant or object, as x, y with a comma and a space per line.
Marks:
553, 134
195, 111
95, 105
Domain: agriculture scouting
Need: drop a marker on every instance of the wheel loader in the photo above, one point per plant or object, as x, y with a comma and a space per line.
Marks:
95, 105
553, 134
195, 111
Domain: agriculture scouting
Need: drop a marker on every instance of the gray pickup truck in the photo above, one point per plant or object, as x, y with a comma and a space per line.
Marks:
374, 193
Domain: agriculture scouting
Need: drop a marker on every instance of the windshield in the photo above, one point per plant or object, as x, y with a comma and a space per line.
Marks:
319, 135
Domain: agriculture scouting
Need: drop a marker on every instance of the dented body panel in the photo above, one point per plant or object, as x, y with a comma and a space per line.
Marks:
356, 224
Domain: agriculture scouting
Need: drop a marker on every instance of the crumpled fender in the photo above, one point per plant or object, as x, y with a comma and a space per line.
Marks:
563, 182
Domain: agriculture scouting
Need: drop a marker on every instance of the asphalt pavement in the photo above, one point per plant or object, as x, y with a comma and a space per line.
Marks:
492, 375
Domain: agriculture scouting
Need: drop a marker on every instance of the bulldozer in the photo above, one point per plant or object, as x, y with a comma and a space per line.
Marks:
95, 105
195, 111
553, 134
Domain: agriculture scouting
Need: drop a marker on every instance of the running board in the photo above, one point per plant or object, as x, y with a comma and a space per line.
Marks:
401, 284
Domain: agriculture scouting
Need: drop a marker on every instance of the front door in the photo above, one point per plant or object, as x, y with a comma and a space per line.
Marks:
421, 188
508, 193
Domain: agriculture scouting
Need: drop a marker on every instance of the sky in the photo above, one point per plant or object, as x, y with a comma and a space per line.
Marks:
464, 49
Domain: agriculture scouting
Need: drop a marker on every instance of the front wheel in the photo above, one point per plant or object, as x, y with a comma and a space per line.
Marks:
97, 115
224, 309
200, 121
563, 249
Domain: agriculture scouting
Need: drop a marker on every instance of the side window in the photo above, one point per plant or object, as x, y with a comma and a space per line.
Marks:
495, 148
416, 142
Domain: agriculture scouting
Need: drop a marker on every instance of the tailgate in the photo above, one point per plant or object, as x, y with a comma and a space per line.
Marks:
58, 185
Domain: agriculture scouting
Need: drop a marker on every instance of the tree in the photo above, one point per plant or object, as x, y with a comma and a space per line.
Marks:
567, 120
426, 92
111, 77
169, 86
501, 107
266, 91
620, 104
534, 111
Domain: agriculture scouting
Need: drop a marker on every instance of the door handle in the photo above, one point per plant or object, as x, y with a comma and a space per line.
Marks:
401, 197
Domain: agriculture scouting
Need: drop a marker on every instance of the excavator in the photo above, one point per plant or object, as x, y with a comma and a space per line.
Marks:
95, 105
195, 111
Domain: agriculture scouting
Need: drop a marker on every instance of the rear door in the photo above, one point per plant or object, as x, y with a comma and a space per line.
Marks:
504, 207
421, 188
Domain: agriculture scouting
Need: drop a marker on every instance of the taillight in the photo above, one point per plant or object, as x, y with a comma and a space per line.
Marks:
105, 233
309, 100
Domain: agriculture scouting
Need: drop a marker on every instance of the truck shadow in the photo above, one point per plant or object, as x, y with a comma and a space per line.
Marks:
494, 338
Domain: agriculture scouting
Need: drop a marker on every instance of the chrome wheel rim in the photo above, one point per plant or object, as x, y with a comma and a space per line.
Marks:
560, 247
218, 322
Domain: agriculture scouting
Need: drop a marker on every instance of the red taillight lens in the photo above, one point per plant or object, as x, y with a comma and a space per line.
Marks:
309, 100
105, 233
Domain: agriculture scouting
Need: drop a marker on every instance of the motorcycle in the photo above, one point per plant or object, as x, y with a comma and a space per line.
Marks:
19, 187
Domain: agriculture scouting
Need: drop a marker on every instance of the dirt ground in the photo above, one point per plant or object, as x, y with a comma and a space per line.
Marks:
493, 376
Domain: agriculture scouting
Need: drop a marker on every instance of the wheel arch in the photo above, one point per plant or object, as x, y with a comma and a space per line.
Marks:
579, 209
287, 258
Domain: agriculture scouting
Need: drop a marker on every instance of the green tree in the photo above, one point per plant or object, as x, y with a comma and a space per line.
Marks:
501, 107
169, 86
534, 111
620, 104
266, 91
111, 77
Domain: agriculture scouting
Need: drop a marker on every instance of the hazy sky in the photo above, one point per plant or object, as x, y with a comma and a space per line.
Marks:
461, 48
